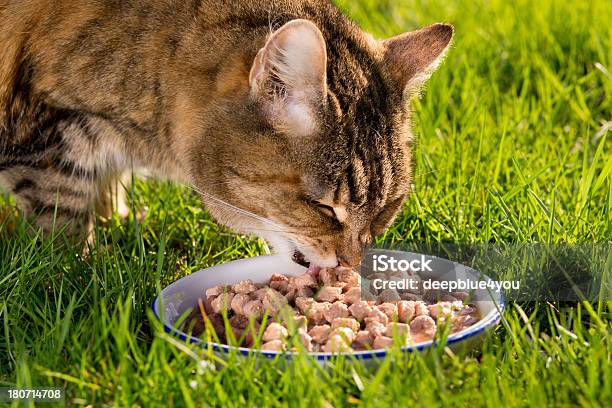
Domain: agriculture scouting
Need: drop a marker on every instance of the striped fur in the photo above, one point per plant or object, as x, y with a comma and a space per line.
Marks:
92, 88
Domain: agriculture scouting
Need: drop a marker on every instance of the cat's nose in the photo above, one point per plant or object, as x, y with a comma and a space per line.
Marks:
350, 251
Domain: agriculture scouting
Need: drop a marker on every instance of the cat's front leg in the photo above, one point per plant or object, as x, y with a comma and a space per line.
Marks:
53, 199
112, 195
56, 176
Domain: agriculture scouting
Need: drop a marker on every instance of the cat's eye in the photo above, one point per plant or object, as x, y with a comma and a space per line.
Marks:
325, 209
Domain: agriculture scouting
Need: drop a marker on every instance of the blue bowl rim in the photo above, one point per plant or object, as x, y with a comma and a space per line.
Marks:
491, 320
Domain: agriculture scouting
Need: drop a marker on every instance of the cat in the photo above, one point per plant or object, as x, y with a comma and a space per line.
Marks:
290, 122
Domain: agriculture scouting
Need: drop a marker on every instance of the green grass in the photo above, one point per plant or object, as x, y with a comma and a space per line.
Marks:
513, 146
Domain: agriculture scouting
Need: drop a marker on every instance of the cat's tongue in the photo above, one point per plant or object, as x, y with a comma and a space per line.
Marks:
313, 270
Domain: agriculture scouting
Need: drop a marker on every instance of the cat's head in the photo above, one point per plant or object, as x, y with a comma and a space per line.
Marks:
317, 159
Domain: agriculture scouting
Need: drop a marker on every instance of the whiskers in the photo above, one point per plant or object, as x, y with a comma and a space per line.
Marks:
270, 225
231, 207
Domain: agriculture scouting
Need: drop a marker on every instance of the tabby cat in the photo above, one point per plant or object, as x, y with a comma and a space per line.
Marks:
289, 120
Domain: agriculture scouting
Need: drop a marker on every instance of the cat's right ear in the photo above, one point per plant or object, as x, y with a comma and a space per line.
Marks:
412, 57
288, 77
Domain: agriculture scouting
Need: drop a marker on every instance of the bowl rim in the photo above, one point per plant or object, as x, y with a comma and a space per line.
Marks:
490, 320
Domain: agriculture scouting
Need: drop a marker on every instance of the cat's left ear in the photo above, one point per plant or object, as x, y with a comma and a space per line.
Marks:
288, 77
412, 57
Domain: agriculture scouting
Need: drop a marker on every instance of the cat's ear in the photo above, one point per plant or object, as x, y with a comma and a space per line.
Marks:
412, 57
288, 76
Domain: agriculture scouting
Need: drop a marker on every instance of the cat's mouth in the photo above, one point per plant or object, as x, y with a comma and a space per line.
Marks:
300, 259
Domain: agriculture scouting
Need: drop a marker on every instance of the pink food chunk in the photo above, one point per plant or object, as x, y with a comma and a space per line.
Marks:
345, 322
294, 321
244, 287
280, 283
327, 276
347, 334
329, 294
274, 345
353, 295
305, 279
303, 304
216, 291
335, 344
466, 310
440, 310
349, 276
389, 309
260, 293
238, 302
316, 312
397, 329
405, 311
294, 293
422, 328
304, 291
337, 309
282, 286
375, 329
222, 302
254, 309
421, 309
320, 333
277, 277
273, 301
306, 339
382, 342
360, 310
363, 339
274, 331
376, 315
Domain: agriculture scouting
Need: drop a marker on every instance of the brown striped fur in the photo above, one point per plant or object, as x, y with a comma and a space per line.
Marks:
314, 157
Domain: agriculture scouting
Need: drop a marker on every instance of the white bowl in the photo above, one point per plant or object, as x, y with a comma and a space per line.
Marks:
183, 295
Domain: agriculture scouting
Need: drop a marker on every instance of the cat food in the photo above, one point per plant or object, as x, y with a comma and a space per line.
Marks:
326, 313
